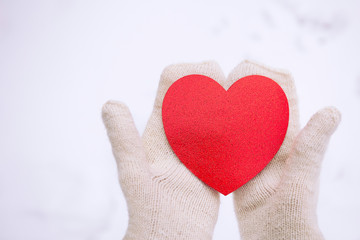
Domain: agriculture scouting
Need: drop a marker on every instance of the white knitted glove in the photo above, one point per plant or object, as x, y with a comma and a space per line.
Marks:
165, 200
280, 202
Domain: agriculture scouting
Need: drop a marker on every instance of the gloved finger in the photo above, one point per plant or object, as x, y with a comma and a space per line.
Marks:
176, 71
286, 82
267, 180
125, 140
154, 138
305, 160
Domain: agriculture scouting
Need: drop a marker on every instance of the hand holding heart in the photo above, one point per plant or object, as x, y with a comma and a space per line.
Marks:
167, 201
280, 202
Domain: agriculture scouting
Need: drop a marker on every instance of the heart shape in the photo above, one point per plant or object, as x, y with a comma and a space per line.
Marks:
225, 137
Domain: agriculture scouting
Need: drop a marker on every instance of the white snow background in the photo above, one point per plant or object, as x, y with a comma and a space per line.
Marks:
60, 60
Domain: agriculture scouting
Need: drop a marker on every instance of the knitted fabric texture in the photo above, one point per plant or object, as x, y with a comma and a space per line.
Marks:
280, 202
165, 200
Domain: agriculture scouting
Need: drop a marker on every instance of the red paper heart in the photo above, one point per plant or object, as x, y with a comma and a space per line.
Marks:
225, 137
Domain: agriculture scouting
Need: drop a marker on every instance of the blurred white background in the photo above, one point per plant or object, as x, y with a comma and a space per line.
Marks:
60, 60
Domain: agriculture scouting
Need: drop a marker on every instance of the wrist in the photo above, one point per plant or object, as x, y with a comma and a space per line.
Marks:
170, 218
284, 221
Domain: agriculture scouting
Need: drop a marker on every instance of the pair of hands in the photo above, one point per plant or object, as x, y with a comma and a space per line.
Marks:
166, 201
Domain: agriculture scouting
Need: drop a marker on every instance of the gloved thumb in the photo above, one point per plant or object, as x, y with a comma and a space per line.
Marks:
125, 139
309, 148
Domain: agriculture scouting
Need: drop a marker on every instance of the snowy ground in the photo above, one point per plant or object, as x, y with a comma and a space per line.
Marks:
60, 60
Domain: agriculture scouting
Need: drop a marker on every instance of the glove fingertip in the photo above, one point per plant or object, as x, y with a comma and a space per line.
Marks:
330, 118
113, 108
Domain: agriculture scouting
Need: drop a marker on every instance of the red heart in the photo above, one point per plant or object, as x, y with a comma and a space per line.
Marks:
225, 137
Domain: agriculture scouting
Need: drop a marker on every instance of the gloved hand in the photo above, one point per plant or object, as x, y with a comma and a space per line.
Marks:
165, 200
280, 202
